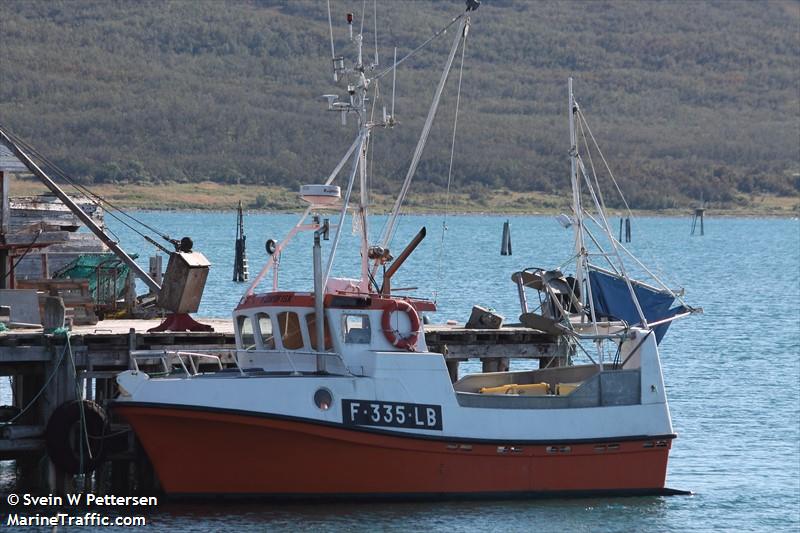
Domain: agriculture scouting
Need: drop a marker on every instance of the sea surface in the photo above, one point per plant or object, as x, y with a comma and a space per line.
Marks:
732, 374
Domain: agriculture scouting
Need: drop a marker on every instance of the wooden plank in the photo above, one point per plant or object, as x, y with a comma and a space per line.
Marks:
20, 445
24, 354
22, 239
491, 351
17, 432
65, 284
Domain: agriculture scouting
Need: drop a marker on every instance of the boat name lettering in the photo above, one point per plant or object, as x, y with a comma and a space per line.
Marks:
281, 298
391, 414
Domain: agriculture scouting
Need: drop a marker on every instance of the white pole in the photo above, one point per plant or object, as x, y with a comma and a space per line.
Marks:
576, 194
362, 211
343, 212
394, 78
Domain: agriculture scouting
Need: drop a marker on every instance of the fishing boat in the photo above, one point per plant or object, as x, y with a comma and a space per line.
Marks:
336, 395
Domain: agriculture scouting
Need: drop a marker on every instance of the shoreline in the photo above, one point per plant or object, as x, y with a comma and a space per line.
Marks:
210, 196
712, 213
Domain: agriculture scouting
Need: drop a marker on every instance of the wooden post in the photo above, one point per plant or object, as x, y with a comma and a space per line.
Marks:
698, 214
45, 265
61, 389
505, 246
156, 270
130, 293
495, 364
452, 369
131, 346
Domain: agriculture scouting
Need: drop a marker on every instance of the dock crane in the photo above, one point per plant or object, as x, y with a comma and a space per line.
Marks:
186, 273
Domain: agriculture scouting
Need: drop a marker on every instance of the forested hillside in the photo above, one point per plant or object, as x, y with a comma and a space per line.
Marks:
688, 99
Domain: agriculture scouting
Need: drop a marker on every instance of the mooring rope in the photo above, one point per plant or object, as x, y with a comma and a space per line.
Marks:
46, 383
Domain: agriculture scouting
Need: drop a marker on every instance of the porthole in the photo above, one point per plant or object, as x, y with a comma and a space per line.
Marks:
323, 399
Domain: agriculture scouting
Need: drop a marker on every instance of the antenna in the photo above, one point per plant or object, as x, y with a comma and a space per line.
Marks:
350, 24
333, 51
394, 78
375, 20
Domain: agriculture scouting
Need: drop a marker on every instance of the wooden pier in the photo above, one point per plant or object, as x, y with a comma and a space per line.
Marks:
46, 373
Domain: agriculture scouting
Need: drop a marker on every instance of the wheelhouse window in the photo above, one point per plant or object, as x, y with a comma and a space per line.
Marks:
356, 329
265, 327
246, 334
289, 325
311, 324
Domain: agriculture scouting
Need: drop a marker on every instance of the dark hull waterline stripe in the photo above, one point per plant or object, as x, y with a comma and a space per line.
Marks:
430, 496
442, 438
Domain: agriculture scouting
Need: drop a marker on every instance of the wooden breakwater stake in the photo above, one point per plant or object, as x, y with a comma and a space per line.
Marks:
240, 272
505, 246
698, 214
627, 223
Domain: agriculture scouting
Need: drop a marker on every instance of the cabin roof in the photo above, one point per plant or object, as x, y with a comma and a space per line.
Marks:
335, 301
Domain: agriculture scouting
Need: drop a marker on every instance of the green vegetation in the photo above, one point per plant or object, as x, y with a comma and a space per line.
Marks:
687, 99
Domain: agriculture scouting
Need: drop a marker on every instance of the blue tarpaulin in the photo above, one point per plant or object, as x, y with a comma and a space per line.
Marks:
611, 298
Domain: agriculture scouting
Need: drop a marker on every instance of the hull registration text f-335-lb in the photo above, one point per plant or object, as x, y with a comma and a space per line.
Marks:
391, 414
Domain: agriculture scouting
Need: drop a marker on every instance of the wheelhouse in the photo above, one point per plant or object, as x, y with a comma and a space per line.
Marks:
277, 331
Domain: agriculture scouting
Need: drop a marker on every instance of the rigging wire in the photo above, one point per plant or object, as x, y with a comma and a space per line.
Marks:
611, 174
375, 21
330, 26
363, 16
370, 146
450, 169
55, 169
420, 47
393, 69
581, 123
88, 193
391, 228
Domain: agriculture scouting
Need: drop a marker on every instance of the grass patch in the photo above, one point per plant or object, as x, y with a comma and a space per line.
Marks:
216, 196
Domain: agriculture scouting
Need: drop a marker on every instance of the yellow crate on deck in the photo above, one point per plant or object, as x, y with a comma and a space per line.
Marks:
565, 389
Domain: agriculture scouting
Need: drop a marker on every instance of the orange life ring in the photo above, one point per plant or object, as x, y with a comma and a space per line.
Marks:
408, 342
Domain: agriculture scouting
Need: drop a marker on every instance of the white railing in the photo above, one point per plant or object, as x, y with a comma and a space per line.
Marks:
288, 356
168, 358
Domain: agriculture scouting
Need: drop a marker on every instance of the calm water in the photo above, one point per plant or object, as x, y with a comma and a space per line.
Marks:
733, 374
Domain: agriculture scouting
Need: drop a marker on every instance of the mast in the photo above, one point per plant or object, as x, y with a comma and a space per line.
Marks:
362, 163
580, 251
358, 93
582, 261
358, 84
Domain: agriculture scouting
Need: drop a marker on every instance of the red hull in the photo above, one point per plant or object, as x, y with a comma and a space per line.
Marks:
207, 452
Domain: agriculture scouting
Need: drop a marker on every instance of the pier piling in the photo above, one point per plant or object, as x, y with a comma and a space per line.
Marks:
698, 214
240, 272
505, 246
